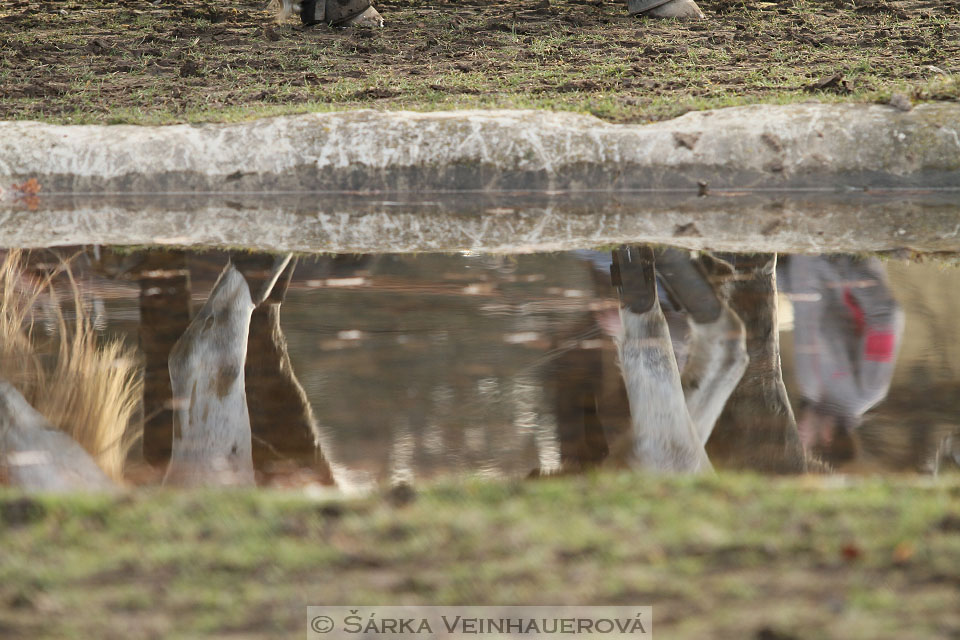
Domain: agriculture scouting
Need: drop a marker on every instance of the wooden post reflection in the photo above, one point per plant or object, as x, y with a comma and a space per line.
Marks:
164, 316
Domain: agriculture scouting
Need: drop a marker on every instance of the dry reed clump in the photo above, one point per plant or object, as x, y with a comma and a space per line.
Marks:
89, 388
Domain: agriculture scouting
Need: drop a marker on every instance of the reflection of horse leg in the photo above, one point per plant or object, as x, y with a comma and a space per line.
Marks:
717, 353
664, 438
717, 361
211, 428
756, 430
580, 435
281, 419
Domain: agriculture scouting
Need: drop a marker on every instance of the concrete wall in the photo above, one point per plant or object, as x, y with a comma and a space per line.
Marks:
808, 177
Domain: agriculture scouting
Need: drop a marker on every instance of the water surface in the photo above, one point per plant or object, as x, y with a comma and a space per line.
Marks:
404, 367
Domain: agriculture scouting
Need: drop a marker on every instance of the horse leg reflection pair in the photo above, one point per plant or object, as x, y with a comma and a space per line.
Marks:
734, 404
673, 414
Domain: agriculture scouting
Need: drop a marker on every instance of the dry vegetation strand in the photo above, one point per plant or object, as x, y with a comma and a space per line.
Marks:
91, 388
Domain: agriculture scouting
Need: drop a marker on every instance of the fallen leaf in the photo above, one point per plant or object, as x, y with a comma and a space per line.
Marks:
26, 193
850, 551
903, 552
28, 188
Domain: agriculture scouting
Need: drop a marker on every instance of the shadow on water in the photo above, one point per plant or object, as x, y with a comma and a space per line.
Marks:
354, 369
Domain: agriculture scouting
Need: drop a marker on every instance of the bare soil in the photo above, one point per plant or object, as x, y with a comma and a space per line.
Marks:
171, 61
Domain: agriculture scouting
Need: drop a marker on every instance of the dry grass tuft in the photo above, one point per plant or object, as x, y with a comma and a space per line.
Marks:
92, 388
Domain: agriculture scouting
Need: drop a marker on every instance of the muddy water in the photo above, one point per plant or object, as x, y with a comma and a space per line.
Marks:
399, 367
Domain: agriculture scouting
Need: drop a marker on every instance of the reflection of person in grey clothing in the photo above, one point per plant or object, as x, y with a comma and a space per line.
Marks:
847, 328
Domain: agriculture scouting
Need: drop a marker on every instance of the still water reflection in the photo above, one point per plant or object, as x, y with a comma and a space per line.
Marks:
357, 369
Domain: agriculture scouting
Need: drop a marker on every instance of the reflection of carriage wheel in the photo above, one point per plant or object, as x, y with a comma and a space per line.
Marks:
579, 431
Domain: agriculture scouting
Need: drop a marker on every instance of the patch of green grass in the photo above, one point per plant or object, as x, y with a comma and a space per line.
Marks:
720, 556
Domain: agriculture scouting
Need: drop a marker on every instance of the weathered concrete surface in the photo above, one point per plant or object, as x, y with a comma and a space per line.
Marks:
797, 146
507, 223
802, 177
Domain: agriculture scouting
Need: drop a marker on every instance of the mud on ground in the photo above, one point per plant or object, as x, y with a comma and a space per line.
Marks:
173, 61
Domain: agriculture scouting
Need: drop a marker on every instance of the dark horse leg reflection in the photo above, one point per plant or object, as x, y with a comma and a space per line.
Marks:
284, 429
757, 429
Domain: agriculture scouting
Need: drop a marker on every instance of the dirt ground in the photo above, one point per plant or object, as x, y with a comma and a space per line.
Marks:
174, 61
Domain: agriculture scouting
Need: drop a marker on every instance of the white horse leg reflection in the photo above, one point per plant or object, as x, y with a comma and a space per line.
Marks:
672, 415
211, 430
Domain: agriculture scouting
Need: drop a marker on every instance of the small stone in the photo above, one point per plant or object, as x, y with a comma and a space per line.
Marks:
686, 140
686, 230
270, 34
901, 102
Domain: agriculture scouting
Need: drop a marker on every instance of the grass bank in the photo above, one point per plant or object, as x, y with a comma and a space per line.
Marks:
722, 557
112, 61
